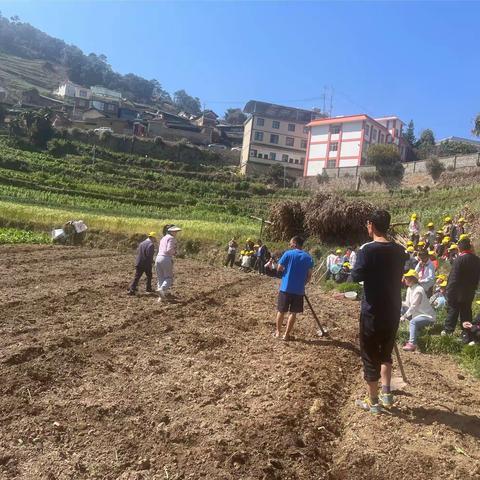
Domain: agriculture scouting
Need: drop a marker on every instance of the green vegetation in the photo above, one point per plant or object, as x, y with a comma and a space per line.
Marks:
13, 235
430, 341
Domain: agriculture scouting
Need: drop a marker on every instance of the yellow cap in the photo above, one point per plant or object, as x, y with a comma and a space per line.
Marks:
463, 236
440, 232
442, 276
409, 243
420, 244
411, 273
430, 224
410, 249
447, 219
338, 251
346, 264
478, 302
432, 253
413, 216
446, 240
249, 239
443, 284
461, 220
453, 246
152, 234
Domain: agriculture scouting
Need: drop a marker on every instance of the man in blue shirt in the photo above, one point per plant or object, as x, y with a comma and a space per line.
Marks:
296, 268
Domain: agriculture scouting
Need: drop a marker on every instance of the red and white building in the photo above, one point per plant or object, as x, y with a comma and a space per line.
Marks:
344, 141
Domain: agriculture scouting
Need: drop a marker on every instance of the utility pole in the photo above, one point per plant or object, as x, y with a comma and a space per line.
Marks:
284, 176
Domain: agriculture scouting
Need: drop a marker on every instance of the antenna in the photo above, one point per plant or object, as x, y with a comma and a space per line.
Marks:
324, 98
331, 101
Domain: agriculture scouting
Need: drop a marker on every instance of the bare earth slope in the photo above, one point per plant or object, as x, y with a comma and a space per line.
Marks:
99, 385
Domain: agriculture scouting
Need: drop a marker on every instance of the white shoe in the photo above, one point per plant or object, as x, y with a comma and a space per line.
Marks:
472, 343
161, 293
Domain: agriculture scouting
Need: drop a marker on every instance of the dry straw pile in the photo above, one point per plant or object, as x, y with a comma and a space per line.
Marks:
329, 218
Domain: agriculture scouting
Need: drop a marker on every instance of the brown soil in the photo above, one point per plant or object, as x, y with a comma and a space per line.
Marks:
99, 385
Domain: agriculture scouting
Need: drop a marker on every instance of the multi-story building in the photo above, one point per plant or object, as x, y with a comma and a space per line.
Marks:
344, 141
72, 90
274, 135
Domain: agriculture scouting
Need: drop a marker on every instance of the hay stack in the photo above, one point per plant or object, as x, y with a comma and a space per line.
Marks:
330, 218
288, 219
336, 220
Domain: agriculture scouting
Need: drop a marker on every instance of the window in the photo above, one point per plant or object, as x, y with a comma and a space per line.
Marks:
305, 129
291, 127
290, 160
274, 138
331, 163
334, 129
260, 122
303, 144
374, 133
265, 156
83, 93
273, 156
284, 157
367, 130
259, 136
111, 108
396, 132
275, 124
382, 138
302, 161
253, 153
297, 161
289, 141
389, 138
334, 147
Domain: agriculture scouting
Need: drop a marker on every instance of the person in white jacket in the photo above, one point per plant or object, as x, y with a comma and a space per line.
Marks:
419, 311
426, 272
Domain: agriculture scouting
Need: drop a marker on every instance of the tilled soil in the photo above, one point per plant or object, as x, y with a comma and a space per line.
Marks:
99, 385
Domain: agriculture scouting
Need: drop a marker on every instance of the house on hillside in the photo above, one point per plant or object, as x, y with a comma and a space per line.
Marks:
208, 118
468, 141
102, 92
275, 135
33, 99
93, 118
230, 134
72, 90
343, 141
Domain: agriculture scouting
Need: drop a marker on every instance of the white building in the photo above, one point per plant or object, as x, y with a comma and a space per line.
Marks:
72, 90
344, 141
274, 135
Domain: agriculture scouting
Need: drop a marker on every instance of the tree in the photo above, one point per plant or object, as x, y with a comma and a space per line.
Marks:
38, 126
183, 101
235, 116
449, 148
426, 144
409, 134
476, 126
3, 113
434, 167
386, 159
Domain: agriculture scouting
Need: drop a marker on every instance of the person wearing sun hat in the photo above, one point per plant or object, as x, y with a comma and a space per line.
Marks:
414, 229
143, 263
438, 299
462, 284
426, 272
452, 253
430, 235
412, 259
447, 226
164, 261
433, 258
419, 311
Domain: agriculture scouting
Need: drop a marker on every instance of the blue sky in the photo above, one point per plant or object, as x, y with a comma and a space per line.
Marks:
417, 60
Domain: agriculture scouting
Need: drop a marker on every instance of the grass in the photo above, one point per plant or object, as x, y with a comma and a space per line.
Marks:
14, 235
430, 341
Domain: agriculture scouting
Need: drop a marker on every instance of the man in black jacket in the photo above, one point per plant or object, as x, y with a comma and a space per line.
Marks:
379, 265
462, 283
143, 263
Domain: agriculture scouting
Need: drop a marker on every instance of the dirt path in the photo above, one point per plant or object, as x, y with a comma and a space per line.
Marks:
99, 385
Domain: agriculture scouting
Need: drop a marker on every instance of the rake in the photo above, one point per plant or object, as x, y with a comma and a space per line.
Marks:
322, 332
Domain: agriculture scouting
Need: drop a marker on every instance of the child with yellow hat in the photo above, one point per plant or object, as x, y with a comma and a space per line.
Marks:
430, 235
418, 309
414, 229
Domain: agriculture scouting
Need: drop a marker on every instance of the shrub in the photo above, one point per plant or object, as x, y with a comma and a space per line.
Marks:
371, 177
435, 168
192, 247
386, 159
323, 178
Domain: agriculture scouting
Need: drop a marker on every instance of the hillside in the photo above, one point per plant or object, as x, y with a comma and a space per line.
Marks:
20, 74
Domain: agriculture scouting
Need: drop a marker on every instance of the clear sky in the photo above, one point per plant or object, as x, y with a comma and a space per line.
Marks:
417, 60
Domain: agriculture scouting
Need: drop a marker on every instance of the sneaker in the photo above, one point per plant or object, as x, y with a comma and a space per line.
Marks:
365, 404
162, 294
409, 347
471, 344
386, 400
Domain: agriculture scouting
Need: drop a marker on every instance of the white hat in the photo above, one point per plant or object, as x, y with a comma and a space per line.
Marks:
173, 228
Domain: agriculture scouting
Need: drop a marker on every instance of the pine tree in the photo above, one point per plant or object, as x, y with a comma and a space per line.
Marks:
409, 135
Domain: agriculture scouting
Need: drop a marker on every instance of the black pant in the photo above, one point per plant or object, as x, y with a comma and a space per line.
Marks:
230, 260
454, 310
139, 271
377, 338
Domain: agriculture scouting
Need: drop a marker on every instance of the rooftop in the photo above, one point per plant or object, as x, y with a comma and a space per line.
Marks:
280, 111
